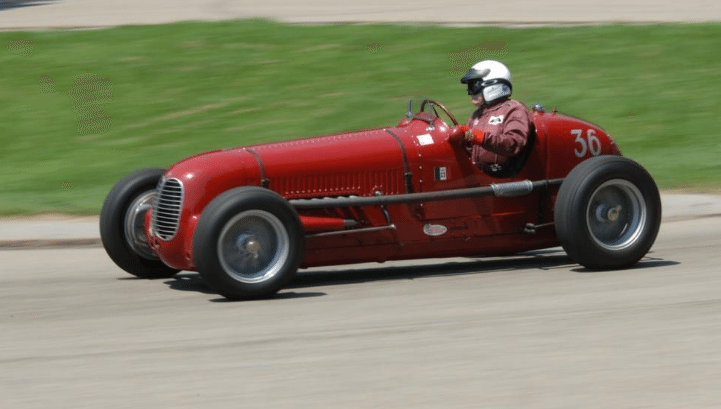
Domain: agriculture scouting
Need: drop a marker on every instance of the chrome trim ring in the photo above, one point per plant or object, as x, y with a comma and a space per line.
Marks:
135, 225
253, 246
616, 215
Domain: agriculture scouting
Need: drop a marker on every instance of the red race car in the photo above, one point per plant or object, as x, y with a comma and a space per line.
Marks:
247, 218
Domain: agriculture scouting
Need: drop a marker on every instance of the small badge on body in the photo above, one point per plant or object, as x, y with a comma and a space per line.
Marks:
434, 229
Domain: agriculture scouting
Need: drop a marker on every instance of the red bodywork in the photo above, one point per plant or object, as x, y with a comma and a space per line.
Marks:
412, 157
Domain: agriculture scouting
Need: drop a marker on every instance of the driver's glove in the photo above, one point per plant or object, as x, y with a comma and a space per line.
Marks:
475, 136
463, 133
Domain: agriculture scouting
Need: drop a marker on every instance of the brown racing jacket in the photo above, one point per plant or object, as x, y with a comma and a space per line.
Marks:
506, 126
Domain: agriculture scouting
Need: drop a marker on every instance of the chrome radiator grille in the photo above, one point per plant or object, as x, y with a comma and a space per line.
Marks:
166, 208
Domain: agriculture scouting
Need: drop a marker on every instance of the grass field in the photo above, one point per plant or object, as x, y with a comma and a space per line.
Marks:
79, 109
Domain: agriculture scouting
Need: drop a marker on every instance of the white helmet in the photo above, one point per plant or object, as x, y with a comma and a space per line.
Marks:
490, 77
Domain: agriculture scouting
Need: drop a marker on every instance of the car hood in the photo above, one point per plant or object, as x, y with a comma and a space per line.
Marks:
355, 163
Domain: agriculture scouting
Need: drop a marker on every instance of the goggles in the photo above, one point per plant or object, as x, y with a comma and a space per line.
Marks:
476, 87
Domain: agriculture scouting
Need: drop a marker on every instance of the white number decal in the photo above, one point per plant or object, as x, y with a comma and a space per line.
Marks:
590, 143
579, 140
594, 144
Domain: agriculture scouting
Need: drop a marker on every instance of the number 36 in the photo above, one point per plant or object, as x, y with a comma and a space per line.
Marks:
589, 144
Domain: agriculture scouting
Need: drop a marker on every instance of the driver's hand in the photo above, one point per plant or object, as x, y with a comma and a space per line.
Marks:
461, 133
475, 136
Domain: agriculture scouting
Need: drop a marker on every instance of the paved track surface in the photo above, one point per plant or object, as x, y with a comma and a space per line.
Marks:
535, 331
95, 13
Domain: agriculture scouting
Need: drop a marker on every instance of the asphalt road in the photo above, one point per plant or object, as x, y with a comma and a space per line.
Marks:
535, 331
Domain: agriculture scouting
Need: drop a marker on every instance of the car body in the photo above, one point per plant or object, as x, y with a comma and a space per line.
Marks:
404, 192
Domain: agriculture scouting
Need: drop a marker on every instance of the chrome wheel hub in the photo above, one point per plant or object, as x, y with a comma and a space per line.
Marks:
250, 246
616, 214
608, 215
253, 246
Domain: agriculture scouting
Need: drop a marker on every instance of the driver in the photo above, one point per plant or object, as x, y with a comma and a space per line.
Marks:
498, 130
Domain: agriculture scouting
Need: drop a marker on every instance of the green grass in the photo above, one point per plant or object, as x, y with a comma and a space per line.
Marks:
179, 89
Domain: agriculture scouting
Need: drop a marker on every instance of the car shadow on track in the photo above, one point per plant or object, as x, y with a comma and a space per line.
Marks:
194, 282
646, 262
337, 276
543, 260
318, 277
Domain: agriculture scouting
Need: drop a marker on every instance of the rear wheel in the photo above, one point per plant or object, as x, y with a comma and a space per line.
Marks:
248, 243
608, 213
122, 225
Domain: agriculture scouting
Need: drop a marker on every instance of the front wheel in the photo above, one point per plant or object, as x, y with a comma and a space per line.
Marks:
248, 243
607, 213
122, 225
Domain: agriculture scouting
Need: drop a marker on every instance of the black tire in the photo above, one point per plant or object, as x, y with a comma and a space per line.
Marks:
607, 213
119, 228
248, 243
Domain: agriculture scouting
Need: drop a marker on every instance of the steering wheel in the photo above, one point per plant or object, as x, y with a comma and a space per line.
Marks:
441, 106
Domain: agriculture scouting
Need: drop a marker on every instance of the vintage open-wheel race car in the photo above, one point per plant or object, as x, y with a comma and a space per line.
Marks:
248, 218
